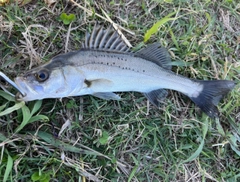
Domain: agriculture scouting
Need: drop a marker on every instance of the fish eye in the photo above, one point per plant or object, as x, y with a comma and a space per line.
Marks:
42, 75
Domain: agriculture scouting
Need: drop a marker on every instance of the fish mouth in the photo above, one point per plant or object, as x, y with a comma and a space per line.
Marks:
19, 86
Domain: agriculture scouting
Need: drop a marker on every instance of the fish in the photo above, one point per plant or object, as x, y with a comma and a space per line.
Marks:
106, 65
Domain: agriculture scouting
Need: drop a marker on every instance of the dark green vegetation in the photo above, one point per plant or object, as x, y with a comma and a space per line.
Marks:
127, 140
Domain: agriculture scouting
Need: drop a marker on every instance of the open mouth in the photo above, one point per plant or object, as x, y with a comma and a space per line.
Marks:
3, 77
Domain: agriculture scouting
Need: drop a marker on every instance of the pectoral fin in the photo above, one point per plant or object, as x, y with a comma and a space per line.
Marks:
98, 83
156, 95
107, 95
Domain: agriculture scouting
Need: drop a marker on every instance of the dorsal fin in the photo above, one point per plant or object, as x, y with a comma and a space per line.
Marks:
157, 54
107, 40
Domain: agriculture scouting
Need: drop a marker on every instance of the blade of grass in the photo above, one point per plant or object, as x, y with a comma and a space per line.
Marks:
6, 96
3, 106
173, 38
38, 118
134, 169
60, 144
8, 168
155, 27
233, 143
200, 148
9, 110
28, 115
36, 107
132, 173
2, 137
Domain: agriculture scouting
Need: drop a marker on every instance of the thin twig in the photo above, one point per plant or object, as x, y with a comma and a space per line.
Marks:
100, 16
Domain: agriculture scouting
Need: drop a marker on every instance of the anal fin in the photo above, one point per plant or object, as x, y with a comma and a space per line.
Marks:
107, 95
156, 96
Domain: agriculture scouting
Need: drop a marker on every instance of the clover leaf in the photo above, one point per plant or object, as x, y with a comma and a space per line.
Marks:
67, 19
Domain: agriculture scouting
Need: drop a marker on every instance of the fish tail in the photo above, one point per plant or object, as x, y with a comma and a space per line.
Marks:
211, 94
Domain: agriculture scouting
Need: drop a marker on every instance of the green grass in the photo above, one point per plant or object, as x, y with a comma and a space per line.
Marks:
122, 140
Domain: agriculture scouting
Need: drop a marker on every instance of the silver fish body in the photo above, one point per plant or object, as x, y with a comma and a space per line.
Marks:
104, 65
91, 72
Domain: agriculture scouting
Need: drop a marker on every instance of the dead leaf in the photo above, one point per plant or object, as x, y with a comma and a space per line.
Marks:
49, 2
226, 20
3, 2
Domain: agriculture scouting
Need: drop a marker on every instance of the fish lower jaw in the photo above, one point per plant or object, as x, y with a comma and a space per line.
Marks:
21, 87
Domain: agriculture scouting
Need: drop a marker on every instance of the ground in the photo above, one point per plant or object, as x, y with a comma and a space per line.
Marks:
86, 138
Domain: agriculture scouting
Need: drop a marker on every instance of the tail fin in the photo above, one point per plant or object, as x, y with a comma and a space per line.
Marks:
211, 94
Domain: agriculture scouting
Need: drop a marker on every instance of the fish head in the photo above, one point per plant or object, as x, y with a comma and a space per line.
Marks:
42, 82
36, 84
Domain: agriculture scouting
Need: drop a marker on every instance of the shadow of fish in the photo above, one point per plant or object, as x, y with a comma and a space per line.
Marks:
105, 65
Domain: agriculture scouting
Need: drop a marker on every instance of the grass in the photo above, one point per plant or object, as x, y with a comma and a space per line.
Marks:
123, 140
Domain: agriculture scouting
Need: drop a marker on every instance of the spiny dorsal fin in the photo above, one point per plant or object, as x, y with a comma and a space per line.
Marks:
107, 40
157, 54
